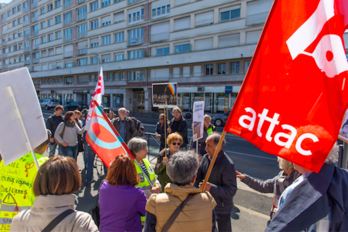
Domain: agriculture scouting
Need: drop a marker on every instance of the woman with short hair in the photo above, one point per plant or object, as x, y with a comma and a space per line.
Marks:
121, 203
56, 181
68, 139
174, 142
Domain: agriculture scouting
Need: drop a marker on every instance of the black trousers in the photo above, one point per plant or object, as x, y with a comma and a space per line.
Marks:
223, 222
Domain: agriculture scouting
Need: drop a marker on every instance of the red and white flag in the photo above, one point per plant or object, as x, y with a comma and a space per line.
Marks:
97, 96
295, 93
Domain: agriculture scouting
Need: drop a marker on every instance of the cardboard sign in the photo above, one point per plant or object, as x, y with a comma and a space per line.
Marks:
13, 142
165, 94
198, 120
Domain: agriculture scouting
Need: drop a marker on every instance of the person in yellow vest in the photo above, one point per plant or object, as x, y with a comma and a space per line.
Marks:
16, 181
148, 181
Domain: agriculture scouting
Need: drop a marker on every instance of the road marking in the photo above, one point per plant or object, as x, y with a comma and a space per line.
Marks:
256, 156
252, 212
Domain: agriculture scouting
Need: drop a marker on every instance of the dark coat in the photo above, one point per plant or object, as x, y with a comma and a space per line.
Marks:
160, 131
161, 169
129, 125
313, 199
52, 122
223, 181
182, 130
138, 125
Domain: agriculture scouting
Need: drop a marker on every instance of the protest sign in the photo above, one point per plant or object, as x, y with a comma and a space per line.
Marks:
22, 125
165, 94
198, 120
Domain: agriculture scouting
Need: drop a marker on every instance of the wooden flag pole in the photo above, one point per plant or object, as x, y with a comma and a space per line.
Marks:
213, 161
165, 132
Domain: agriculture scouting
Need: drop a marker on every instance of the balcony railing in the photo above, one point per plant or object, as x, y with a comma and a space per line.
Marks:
36, 60
26, 49
26, 36
34, 19
133, 1
35, 46
160, 37
67, 21
67, 5
135, 41
80, 1
256, 18
81, 34
68, 54
26, 62
33, 5
26, 23
67, 38
26, 9
35, 33
138, 18
81, 16
82, 51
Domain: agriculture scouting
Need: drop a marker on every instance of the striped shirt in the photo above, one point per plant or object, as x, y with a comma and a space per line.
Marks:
144, 169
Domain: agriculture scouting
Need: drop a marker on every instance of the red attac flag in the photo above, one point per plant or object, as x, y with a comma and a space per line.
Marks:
295, 93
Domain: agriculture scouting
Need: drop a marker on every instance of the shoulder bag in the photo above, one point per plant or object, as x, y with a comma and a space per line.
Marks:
57, 220
61, 135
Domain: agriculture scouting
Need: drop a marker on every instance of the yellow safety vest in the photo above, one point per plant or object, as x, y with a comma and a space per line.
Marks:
210, 130
16, 187
145, 183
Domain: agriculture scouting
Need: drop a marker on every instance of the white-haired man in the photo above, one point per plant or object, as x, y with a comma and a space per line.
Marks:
315, 201
124, 125
178, 124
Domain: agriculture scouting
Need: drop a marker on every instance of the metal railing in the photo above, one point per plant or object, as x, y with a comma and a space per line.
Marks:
26, 49
34, 19
80, 1
82, 51
256, 18
35, 33
4, 43
67, 5
81, 16
35, 46
67, 21
33, 5
36, 60
26, 36
26, 62
152, 154
135, 41
160, 37
26, 9
81, 34
26, 23
67, 38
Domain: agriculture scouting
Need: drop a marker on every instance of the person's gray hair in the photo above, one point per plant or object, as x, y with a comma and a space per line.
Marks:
127, 111
216, 138
176, 109
207, 116
121, 109
285, 165
182, 167
136, 144
332, 157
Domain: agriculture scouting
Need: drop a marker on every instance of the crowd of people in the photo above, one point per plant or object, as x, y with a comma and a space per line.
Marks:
134, 196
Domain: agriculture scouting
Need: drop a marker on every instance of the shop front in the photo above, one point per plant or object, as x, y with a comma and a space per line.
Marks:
118, 101
81, 95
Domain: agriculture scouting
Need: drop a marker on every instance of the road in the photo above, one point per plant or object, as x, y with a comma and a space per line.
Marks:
252, 208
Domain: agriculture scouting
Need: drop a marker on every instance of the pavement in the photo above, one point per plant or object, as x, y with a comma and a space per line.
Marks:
251, 211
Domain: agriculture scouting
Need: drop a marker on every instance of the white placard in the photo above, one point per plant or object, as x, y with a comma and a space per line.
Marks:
198, 120
13, 142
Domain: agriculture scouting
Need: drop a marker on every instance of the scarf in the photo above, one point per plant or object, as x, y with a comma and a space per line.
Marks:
69, 124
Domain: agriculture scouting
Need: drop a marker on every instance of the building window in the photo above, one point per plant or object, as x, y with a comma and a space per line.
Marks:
182, 48
15, 35
109, 76
49, 7
106, 40
36, 27
51, 52
43, 53
14, 10
19, 7
246, 66
162, 51
106, 58
229, 14
94, 6
43, 39
20, 34
20, 46
57, 3
182, 23
161, 11
136, 36
36, 41
135, 54
221, 68
14, 23
119, 57
50, 37
58, 19
106, 21
136, 76
94, 44
136, 16
83, 62
69, 64
43, 25
42, 10
105, 3
68, 33
94, 24
209, 69
235, 68
20, 21
94, 60
9, 13
69, 81
119, 37
58, 35
50, 22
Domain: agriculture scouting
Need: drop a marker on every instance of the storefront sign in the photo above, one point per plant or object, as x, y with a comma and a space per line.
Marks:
81, 91
198, 120
165, 94
228, 89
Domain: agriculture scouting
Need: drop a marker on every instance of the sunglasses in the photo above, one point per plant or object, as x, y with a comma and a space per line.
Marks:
176, 144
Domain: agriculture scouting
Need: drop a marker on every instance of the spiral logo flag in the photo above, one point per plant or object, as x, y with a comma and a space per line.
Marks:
103, 137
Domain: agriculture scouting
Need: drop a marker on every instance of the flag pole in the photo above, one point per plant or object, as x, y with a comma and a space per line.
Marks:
165, 132
213, 161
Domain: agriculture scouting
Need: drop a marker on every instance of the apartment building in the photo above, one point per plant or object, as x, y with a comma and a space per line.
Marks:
204, 45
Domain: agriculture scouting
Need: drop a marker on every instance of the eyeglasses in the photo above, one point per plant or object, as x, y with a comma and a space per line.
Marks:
161, 118
176, 144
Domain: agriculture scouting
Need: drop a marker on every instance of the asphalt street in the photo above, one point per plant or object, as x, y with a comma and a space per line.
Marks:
251, 210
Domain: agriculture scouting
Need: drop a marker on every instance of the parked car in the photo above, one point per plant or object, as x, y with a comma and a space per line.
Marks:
220, 119
49, 103
76, 106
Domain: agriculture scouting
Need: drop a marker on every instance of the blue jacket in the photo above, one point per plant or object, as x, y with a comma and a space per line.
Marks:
313, 199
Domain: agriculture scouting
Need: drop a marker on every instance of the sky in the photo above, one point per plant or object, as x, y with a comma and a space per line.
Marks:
5, 1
